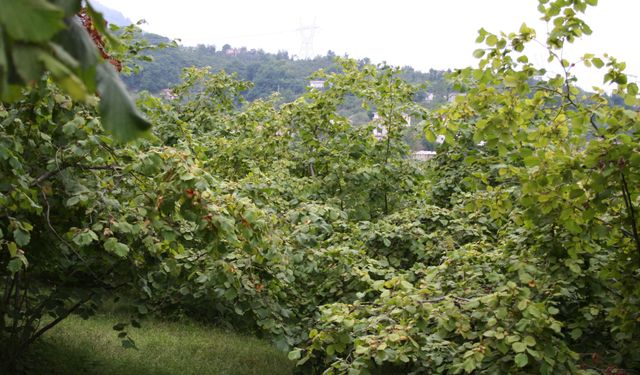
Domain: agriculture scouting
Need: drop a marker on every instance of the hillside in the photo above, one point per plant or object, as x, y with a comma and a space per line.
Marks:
269, 72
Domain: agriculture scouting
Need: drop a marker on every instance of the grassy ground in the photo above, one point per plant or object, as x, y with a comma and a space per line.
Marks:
91, 347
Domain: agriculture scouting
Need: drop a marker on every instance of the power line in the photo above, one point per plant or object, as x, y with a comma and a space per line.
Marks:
259, 34
307, 34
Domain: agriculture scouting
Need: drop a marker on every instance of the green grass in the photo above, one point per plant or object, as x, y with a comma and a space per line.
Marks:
91, 347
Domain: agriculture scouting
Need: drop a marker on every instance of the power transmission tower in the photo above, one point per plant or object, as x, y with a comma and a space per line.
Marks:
306, 36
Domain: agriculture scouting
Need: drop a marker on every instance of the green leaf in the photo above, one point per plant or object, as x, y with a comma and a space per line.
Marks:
429, 135
76, 42
115, 247
70, 7
489, 333
26, 59
72, 201
70, 127
523, 304
64, 77
524, 29
4, 68
469, 365
331, 350
15, 265
118, 112
573, 266
576, 333
492, 40
529, 341
128, 343
521, 359
295, 354
21, 237
361, 349
597, 62
531, 161
30, 20
13, 249
187, 176
482, 33
85, 238
478, 53
519, 347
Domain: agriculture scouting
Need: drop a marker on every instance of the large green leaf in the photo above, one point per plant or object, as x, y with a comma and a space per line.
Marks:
75, 42
4, 67
21, 237
31, 20
64, 77
70, 7
117, 109
26, 59
10, 88
521, 360
113, 246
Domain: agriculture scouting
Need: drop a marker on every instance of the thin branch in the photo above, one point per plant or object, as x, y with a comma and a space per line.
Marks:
49, 174
53, 230
592, 120
54, 322
442, 298
631, 210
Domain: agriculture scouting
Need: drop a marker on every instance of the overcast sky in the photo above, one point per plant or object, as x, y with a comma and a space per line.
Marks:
421, 33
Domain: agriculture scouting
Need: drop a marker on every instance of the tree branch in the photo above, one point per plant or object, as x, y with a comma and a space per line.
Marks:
630, 209
49, 174
54, 322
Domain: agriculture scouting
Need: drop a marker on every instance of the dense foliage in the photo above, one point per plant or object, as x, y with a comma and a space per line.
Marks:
65, 40
515, 250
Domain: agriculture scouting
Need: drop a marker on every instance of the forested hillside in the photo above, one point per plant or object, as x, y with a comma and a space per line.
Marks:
269, 73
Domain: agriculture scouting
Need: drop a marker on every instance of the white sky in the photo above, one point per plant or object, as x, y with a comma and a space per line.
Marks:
421, 33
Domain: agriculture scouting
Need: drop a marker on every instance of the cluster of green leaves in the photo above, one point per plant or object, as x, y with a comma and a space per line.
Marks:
40, 35
542, 276
83, 217
308, 172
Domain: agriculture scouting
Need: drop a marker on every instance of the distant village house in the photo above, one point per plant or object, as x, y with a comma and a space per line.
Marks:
316, 84
423, 155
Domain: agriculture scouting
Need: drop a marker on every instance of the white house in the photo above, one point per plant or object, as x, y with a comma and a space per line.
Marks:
423, 155
316, 84
380, 131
